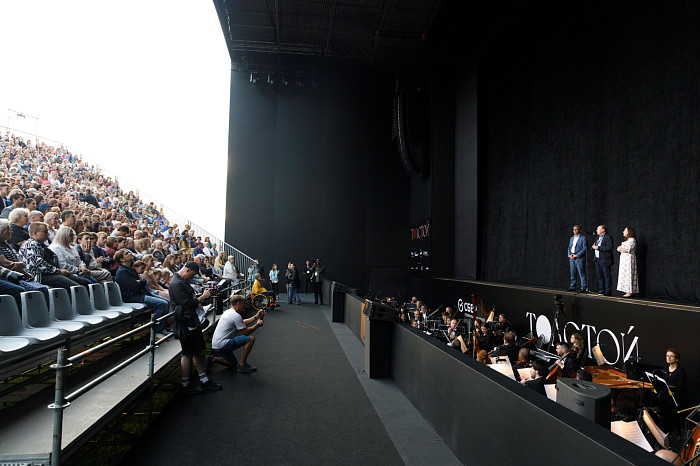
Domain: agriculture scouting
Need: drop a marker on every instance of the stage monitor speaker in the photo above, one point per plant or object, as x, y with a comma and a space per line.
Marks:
337, 302
590, 400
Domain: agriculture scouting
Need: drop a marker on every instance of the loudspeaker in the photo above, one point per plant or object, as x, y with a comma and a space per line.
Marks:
337, 305
590, 400
378, 349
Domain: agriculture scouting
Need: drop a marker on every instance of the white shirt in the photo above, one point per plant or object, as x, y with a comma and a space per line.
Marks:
573, 245
229, 324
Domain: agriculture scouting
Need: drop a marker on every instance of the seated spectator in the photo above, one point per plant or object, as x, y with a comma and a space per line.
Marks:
94, 264
10, 261
16, 200
169, 263
230, 270
53, 220
166, 276
205, 269
68, 258
134, 288
220, 262
151, 279
19, 217
131, 247
41, 262
158, 252
35, 216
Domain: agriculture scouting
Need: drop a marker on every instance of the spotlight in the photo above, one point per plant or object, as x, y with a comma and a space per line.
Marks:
271, 79
254, 78
300, 81
314, 83
285, 80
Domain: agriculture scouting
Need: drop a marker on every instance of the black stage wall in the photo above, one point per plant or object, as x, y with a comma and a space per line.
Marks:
313, 172
565, 113
591, 115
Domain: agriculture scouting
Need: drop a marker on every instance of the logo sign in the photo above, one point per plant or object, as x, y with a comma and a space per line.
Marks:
616, 345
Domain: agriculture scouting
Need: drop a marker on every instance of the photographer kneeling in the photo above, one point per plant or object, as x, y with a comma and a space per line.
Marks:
225, 341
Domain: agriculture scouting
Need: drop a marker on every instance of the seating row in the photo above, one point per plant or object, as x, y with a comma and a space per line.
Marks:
64, 318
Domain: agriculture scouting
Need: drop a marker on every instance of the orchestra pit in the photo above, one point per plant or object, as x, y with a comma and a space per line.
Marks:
497, 203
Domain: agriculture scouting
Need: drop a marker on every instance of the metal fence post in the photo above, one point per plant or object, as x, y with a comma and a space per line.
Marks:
152, 357
58, 406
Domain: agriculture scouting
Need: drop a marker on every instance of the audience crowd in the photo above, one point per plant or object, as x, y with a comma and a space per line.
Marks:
64, 223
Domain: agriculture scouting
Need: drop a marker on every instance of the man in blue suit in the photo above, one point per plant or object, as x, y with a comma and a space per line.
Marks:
603, 260
577, 259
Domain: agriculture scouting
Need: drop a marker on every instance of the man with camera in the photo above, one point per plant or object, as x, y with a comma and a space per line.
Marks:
225, 339
187, 328
317, 271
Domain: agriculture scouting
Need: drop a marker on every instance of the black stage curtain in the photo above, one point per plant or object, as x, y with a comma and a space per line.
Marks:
590, 115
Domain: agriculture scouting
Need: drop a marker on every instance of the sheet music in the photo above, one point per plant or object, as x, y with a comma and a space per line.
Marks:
526, 374
632, 432
551, 390
503, 367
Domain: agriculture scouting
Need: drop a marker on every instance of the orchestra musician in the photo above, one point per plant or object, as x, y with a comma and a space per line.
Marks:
454, 342
537, 384
485, 339
676, 379
424, 314
446, 317
567, 361
508, 348
579, 347
417, 321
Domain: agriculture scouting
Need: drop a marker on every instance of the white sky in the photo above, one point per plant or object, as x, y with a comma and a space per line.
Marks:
140, 88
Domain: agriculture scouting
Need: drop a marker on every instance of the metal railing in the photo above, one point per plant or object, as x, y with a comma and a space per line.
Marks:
63, 363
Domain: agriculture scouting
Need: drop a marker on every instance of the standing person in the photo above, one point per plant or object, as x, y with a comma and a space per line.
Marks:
677, 381
294, 284
309, 277
274, 279
627, 280
186, 303
288, 281
577, 259
603, 260
318, 270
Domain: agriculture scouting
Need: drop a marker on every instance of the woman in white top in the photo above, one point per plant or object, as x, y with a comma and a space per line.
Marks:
627, 280
230, 270
68, 258
53, 220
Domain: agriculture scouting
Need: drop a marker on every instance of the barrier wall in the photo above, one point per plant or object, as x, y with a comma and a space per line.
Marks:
480, 413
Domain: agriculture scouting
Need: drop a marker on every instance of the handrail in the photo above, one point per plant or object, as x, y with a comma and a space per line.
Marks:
62, 401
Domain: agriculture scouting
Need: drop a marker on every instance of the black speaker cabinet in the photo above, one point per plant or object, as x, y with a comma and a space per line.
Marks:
590, 400
337, 306
378, 349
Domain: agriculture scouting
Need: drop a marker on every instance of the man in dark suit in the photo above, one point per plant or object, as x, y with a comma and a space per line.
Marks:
577, 259
508, 348
603, 260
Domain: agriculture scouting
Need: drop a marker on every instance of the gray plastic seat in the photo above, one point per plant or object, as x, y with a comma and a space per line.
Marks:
16, 345
80, 301
11, 324
60, 309
114, 297
98, 299
36, 315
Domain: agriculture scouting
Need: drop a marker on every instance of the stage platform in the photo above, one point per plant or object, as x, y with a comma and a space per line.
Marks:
624, 327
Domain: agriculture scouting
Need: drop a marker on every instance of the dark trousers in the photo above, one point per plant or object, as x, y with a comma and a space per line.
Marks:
318, 292
58, 281
309, 284
604, 278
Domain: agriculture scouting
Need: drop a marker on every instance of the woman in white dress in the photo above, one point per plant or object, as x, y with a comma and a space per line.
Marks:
627, 280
